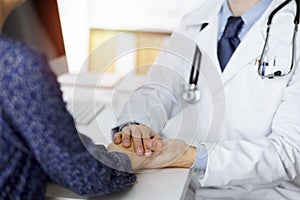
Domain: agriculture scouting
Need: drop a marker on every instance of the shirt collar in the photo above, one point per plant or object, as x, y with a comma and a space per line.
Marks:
249, 18
252, 15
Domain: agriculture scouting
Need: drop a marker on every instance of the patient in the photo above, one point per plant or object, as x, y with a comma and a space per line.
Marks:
38, 138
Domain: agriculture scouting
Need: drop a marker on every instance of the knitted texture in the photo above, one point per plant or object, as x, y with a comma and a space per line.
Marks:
38, 138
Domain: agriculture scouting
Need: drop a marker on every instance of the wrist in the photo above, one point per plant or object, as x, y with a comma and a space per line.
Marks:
187, 159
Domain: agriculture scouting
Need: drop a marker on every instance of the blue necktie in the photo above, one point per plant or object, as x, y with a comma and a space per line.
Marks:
229, 40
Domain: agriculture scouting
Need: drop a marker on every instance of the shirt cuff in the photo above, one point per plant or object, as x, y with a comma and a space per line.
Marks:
201, 158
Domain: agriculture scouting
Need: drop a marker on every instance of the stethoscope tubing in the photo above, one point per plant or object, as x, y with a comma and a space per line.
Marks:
269, 23
195, 70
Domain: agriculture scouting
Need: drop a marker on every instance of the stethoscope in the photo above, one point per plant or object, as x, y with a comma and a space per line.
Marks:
191, 92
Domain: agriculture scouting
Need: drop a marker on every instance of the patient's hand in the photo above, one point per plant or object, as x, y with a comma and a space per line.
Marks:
174, 153
137, 162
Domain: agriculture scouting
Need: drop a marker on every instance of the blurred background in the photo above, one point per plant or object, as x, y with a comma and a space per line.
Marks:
70, 30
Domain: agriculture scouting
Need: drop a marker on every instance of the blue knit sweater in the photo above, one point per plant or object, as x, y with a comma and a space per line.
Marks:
38, 138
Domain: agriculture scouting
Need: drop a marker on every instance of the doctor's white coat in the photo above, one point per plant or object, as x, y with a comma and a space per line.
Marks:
255, 150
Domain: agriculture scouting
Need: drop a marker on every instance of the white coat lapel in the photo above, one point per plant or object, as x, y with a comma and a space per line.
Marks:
207, 37
207, 40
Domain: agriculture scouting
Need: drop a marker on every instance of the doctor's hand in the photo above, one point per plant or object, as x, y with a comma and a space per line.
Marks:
141, 138
174, 153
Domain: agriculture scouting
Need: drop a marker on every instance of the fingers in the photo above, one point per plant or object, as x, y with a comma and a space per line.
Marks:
118, 138
155, 144
123, 137
146, 134
142, 138
137, 140
126, 132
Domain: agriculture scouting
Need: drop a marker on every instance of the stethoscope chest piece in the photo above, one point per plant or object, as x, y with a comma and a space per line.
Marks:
191, 94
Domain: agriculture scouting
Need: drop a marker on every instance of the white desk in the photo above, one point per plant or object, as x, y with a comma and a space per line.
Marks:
163, 184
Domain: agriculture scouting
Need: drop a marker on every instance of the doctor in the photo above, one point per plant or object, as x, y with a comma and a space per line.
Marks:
257, 155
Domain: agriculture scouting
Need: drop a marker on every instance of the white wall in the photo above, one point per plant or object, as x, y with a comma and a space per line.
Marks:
74, 17
77, 16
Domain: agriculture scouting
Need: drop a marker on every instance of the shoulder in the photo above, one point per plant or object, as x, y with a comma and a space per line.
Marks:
18, 58
17, 51
204, 9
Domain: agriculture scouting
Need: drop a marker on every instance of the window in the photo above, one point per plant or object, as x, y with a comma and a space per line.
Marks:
88, 23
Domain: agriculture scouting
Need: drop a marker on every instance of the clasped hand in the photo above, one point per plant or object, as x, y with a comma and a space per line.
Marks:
146, 149
141, 138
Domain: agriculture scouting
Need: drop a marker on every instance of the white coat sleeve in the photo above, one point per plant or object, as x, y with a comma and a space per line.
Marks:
264, 160
159, 97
